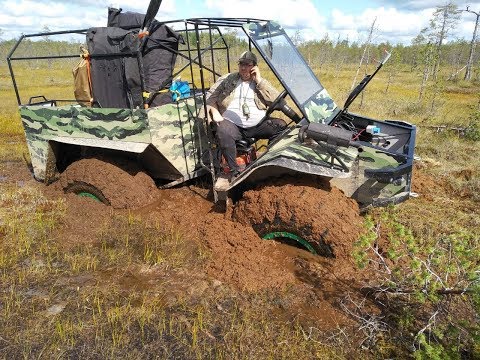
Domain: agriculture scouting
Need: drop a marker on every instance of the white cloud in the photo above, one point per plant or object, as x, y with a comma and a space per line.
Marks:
341, 21
290, 13
293, 15
167, 9
30, 16
415, 5
33, 8
466, 26
391, 24
397, 20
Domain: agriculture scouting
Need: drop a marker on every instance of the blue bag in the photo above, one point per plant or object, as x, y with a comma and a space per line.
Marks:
180, 90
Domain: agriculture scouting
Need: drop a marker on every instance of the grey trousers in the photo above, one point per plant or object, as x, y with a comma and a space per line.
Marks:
228, 133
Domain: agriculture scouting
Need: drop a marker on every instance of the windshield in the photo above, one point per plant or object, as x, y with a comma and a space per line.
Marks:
292, 70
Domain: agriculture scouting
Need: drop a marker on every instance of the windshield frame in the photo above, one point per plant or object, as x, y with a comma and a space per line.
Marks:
317, 106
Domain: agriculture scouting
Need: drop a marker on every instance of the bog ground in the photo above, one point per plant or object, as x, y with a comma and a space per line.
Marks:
178, 278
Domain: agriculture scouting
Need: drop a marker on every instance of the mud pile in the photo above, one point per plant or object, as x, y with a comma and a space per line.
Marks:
123, 185
238, 257
238, 254
319, 214
241, 258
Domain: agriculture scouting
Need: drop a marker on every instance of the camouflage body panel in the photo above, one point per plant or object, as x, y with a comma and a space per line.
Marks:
175, 132
321, 108
42, 124
290, 156
290, 147
365, 190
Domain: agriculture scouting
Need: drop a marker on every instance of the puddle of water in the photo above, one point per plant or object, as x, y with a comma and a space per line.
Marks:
55, 309
36, 293
11, 162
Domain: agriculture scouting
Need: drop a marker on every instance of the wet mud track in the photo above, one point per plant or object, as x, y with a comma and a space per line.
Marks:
238, 257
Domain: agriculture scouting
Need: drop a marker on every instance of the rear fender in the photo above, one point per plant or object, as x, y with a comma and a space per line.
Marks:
63, 151
75, 123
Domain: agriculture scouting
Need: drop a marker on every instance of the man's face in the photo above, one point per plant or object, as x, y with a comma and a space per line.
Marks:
244, 69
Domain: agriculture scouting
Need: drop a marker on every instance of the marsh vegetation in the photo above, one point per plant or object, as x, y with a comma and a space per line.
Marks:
81, 280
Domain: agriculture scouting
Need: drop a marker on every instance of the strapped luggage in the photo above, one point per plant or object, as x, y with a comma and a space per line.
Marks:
114, 61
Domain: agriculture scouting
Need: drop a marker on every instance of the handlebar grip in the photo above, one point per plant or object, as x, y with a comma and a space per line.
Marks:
288, 111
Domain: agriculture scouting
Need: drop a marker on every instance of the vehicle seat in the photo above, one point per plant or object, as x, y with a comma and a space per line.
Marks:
245, 144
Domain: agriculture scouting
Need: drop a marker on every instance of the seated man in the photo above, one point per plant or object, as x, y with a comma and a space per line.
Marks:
237, 102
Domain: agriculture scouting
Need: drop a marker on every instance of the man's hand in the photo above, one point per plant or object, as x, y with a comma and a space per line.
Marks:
214, 114
255, 73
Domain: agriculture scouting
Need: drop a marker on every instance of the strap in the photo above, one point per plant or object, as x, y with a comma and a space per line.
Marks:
178, 93
147, 96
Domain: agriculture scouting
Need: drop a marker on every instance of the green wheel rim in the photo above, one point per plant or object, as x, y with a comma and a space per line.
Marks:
87, 194
284, 234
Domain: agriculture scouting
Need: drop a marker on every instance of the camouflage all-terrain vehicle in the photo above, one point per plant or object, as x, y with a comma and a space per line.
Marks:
134, 115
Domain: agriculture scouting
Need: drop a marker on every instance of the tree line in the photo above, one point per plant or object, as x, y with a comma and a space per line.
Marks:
429, 53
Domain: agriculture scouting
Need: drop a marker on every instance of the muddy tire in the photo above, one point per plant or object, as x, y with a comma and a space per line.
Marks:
123, 186
325, 218
82, 189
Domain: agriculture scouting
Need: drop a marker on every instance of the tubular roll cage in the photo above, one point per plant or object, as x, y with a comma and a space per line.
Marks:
192, 53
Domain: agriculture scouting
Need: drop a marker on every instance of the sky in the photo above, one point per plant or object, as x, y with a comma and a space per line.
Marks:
396, 21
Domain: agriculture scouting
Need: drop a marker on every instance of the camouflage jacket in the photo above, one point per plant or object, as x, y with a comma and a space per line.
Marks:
221, 93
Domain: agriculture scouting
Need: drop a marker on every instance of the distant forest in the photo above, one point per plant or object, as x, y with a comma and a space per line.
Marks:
318, 53
429, 53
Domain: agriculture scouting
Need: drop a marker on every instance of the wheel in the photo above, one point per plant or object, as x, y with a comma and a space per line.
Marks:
321, 220
86, 190
275, 103
121, 185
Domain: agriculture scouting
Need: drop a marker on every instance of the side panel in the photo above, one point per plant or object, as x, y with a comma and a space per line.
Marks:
374, 175
178, 133
367, 190
42, 124
292, 151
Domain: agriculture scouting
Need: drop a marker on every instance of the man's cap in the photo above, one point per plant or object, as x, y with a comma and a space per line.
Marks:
248, 56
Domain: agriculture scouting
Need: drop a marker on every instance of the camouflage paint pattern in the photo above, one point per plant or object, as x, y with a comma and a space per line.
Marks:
290, 147
366, 190
174, 130
321, 108
290, 153
42, 124
175, 133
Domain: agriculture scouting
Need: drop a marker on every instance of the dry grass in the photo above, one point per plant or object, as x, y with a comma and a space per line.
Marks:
448, 103
126, 293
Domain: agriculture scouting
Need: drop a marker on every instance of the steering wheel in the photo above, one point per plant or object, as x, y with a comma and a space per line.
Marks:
275, 103
287, 110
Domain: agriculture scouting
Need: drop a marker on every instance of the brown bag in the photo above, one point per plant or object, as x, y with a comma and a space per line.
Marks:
82, 81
